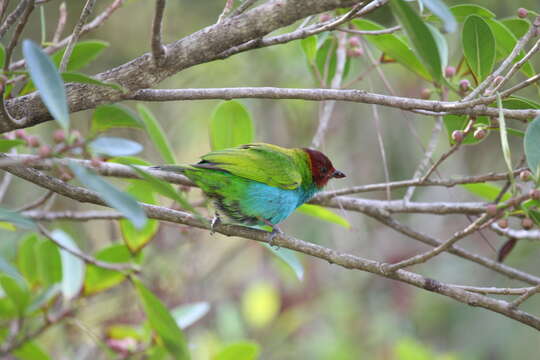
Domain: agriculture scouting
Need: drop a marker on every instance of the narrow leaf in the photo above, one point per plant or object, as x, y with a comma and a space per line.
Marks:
486, 191
188, 314
2, 56
420, 36
48, 81
393, 46
156, 134
84, 52
113, 197
504, 138
85, 79
73, 268
288, 257
309, 46
7, 144
323, 214
239, 351
114, 116
478, 46
439, 8
17, 219
115, 146
532, 145
230, 126
162, 322
16, 291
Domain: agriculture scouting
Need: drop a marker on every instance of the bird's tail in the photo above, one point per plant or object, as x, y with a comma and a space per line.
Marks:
172, 168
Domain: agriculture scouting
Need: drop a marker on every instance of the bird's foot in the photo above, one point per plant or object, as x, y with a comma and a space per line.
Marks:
272, 235
216, 220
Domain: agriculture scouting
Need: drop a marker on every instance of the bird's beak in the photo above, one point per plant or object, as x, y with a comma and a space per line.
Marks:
338, 174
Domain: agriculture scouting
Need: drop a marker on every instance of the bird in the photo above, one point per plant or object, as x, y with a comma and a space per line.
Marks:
259, 184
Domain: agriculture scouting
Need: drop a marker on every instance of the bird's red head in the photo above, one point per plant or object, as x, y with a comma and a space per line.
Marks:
321, 168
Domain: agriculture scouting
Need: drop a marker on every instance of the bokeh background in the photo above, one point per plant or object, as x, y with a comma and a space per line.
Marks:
333, 313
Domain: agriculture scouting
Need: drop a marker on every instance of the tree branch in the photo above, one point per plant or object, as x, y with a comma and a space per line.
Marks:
87, 10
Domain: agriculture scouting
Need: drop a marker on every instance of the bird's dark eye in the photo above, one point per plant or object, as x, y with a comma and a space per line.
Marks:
324, 170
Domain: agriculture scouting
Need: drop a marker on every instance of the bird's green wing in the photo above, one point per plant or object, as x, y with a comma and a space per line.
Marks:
269, 164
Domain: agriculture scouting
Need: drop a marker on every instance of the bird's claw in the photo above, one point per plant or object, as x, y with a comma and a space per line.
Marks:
272, 235
216, 220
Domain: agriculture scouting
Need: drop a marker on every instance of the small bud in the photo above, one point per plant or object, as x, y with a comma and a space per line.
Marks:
449, 71
355, 52
503, 223
59, 136
480, 133
522, 13
534, 194
354, 41
33, 141
498, 80
44, 151
491, 210
525, 175
425, 94
464, 85
527, 223
457, 136
325, 17
20, 134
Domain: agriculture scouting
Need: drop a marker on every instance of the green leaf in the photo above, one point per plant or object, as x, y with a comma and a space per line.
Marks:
505, 43
532, 145
461, 12
323, 214
17, 219
394, 47
518, 102
486, 191
478, 46
17, 292
115, 146
156, 134
162, 322
420, 36
442, 45
188, 314
30, 351
136, 239
288, 257
85, 79
48, 81
459, 122
230, 126
114, 116
84, 52
26, 258
129, 160
98, 279
7, 144
409, 349
309, 46
73, 268
2, 56
439, 8
6, 268
113, 197
504, 138
44, 298
518, 27
239, 351
7, 226
49, 263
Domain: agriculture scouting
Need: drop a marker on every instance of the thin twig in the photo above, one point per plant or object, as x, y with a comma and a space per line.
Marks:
432, 145
242, 7
18, 31
226, 9
62, 18
6, 181
87, 10
15, 14
520, 300
36, 203
127, 267
158, 50
328, 106
494, 290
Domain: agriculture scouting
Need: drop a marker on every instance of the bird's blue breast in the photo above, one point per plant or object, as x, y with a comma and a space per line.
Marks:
272, 203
